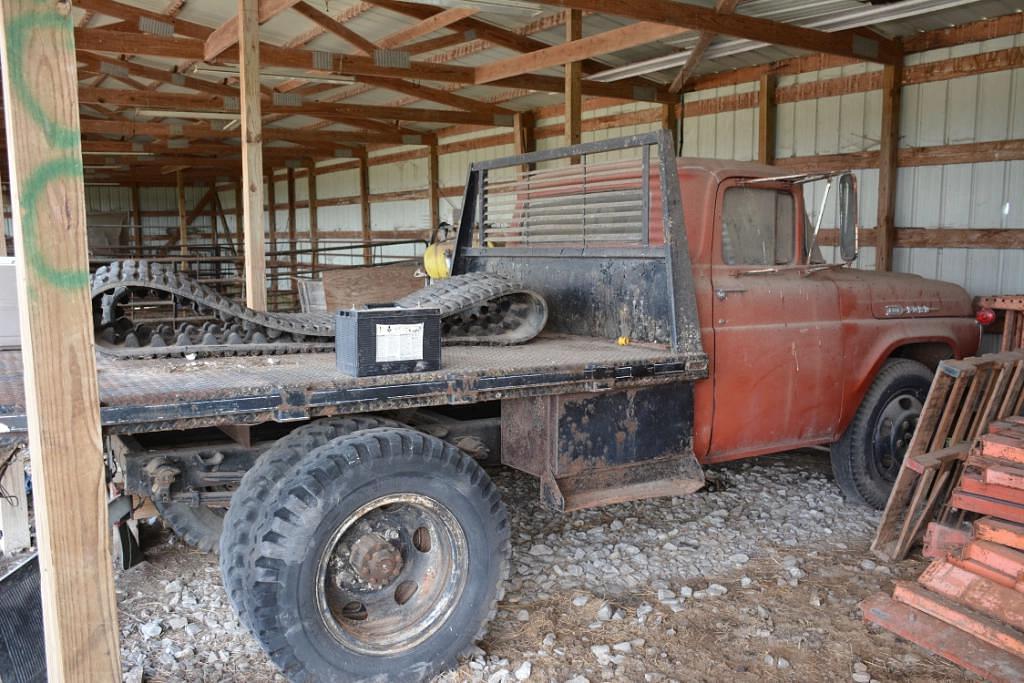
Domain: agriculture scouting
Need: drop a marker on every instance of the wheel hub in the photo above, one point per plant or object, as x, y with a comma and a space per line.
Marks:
894, 430
375, 561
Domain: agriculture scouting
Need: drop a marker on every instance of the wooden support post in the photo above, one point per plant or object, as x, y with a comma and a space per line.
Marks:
137, 219
766, 120
3, 230
670, 122
573, 83
523, 138
433, 190
239, 230
214, 233
275, 244
314, 218
14, 506
182, 219
252, 154
40, 94
292, 230
892, 77
364, 205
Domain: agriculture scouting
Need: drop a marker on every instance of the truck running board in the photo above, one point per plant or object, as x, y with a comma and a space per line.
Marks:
601, 448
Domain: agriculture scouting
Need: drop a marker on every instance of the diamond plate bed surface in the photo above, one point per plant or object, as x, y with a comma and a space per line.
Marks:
163, 381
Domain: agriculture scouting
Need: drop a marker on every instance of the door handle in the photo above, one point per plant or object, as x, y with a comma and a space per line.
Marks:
723, 292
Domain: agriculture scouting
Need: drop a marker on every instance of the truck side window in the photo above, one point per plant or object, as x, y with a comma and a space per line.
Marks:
757, 227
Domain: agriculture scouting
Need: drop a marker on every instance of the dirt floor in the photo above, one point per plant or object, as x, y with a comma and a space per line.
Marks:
756, 579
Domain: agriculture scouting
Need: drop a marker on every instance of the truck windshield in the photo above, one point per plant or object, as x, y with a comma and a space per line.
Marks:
758, 226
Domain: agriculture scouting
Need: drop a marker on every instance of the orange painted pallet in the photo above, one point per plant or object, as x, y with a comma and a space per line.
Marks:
963, 649
985, 505
967, 588
1000, 531
966, 397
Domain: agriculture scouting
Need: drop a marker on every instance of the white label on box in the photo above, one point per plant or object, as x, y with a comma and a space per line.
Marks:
399, 342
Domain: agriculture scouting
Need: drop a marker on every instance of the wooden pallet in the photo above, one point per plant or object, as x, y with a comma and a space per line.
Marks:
966, 396
1012, 307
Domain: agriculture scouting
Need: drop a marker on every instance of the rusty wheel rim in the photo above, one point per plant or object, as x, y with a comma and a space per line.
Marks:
893, 431
392, 574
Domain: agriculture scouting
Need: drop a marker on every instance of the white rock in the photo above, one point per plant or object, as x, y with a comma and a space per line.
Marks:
685, 592
540, 550
524, 670
549, 640
745, 582
717, 589
177, 623
173, 587
782, 663
134, 675
580, 600
859, 667
665, 594
862, 677
624, 646
868, 565
499, 676
739, 558
578, 679
151, 629
523, 615
605, 613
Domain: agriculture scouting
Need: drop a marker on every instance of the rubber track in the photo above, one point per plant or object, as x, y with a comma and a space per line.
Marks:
456, 298
260, 483
460, 295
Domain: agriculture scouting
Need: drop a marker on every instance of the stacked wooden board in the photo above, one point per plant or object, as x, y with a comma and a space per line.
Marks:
1012, 308
966, 397
968, 606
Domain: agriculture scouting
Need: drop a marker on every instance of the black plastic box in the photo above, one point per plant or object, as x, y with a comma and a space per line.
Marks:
383, 340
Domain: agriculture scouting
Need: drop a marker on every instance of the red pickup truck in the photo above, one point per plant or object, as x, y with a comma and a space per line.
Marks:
801, 353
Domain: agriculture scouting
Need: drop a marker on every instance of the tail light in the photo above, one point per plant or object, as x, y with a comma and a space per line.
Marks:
985, 316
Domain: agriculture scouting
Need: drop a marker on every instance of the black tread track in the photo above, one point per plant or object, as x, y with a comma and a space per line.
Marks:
327, 465
303, 332
257, 487
461, 295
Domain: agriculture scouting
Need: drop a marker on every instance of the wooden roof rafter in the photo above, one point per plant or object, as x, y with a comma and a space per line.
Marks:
698, 50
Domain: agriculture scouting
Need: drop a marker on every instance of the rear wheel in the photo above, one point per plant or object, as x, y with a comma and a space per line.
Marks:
383, 557
260, 483
868, 456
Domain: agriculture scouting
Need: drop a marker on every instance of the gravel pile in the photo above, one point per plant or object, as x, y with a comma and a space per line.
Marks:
649, 591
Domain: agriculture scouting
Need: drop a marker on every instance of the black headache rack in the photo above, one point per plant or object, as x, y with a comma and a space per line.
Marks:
601, 238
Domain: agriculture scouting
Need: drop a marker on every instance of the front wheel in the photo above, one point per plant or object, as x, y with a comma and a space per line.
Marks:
383, 557
868, 456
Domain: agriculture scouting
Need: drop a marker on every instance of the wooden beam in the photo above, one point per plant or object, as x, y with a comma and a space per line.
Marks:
48, 211
314, 218
364, 206
766, 120
573, 95
252, 155
137, 219
435, 95
887, 162
227, 34
442, 19
670, 122
182, 219
14, 517
329, 23
433, 189
857, 44
577, 50
697, 51
136, 16
292, 228
272, 227
523, 140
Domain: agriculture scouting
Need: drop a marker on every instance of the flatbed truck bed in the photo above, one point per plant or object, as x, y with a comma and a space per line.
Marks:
160, 395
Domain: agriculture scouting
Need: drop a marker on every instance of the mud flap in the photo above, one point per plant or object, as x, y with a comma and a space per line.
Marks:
601, 448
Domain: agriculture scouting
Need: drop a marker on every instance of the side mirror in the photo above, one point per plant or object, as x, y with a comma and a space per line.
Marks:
847, 198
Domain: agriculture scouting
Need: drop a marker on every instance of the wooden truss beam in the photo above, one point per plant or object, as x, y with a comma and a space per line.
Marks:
854, 44
226, 35
577, 50
424, 27
338, 28
697, 52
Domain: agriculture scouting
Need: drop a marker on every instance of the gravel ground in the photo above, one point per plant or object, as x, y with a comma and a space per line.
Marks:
756, 578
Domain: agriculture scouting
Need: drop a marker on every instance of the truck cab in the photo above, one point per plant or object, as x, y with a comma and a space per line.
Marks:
795, 344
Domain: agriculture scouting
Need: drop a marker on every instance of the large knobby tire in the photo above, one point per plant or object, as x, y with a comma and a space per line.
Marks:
867, 458
383, 559
260, 484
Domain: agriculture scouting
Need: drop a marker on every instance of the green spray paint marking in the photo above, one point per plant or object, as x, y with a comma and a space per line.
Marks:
18, 33
31, 194
58, 136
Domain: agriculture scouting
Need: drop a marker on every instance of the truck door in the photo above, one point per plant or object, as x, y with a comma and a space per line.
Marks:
777, 360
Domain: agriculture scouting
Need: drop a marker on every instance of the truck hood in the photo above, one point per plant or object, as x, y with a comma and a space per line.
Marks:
902, 295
